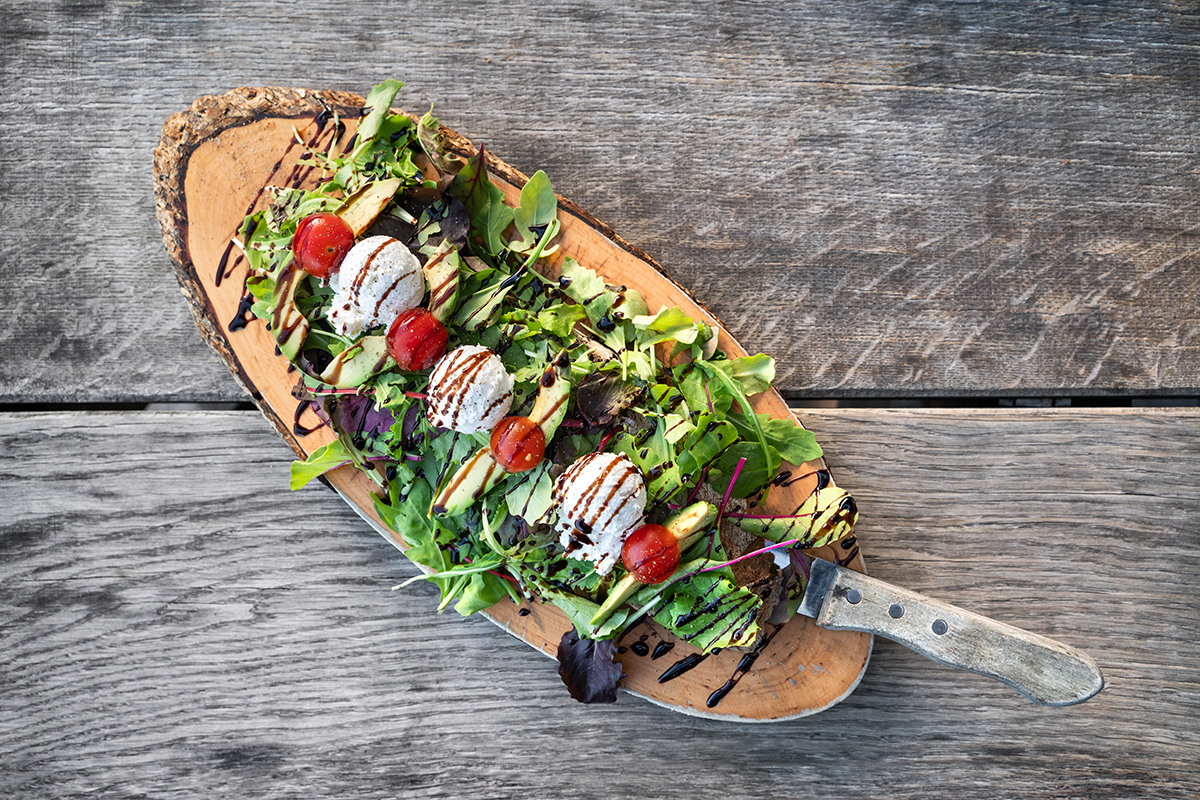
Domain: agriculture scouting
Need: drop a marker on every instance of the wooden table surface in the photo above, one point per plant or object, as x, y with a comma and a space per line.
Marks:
968, 232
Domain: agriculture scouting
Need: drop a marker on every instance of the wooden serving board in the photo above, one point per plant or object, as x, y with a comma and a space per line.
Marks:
212, 167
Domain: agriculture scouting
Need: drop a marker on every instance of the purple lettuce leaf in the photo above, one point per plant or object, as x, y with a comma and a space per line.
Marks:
586, 666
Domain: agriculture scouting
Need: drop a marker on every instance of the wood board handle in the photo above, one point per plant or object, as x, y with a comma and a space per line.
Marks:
1045, 671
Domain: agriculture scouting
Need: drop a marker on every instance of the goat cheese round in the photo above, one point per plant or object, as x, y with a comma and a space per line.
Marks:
377, 281
469, 390
601, 497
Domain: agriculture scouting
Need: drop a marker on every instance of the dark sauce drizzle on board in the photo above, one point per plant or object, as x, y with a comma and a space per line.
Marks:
298, 175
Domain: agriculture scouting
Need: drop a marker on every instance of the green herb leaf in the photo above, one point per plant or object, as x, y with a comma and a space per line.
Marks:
560, 319
756, 473
754, 373
407, 514
538, 208
322, 460
794, 443
380, 102
669, 323
484, 202
483, 590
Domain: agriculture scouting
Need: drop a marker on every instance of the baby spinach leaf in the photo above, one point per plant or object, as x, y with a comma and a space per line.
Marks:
482, 590
537, 209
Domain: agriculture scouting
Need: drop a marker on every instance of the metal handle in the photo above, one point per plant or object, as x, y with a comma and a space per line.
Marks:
1045, 671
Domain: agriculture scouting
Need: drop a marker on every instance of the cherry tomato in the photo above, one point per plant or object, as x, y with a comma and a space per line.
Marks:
321, 242
416, 339
518, 444
651, 553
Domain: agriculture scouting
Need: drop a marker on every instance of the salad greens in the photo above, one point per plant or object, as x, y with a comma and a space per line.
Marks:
650, 384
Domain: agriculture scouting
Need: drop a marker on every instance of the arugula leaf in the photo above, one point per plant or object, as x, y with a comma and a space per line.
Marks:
380, 102
793, 443
322, 460
560, 318
754, 373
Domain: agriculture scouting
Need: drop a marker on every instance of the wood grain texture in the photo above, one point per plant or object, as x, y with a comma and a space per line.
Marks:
236, 137
915, 199
175, 623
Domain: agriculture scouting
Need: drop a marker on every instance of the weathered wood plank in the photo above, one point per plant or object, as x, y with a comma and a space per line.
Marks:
176, 623
914, 199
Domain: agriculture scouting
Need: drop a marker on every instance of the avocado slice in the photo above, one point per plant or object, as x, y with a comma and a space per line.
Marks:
828, 514
474, 478
359, 361
288, 324
554, 390
441, 276
686, 525
481, 472
361, 208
